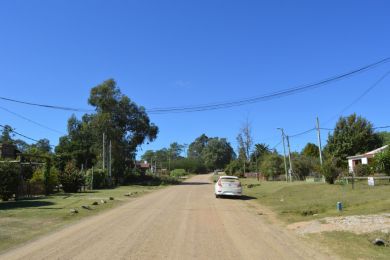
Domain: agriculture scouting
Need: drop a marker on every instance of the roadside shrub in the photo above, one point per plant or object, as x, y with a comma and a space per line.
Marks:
234, 167
362, 170
71, 178
100, 178
9, 179
382, 162
330, 171
37, 181
190, 165
178, 173
272, 166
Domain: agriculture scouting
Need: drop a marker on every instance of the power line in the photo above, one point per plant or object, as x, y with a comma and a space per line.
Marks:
13, 131
371, 87
302, 133
270, 96
47, 106
226, 104
31, 121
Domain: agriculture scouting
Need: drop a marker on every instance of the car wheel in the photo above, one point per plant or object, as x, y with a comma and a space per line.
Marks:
217, 196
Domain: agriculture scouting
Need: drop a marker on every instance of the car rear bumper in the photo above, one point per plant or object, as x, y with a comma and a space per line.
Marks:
229, 193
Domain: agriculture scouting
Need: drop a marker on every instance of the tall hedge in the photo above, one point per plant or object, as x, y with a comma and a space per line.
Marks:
9, 179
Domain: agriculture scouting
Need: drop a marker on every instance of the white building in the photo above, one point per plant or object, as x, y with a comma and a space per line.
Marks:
363, 158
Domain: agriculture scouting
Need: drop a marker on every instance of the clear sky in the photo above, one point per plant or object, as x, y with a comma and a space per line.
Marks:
175, 53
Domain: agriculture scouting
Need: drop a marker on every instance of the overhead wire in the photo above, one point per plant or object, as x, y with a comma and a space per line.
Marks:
365, 92
13, 131
273, 95
31, 121
226, 104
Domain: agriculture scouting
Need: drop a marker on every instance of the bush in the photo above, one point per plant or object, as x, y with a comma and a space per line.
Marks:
37, 181
100, 178
71, 178
9, 179
190, 165
272, 166
362, 170
178, 173
382, 162
330, 171
234, 167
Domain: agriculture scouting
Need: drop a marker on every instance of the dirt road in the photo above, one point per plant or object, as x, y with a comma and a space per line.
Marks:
179, 222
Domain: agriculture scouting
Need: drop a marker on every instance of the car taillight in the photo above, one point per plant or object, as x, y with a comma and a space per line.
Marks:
219, 183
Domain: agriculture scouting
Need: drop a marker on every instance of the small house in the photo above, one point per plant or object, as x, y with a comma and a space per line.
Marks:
363, 158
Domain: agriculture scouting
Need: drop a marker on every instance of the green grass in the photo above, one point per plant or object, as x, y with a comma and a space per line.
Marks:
351, 246
24, 220
300, 201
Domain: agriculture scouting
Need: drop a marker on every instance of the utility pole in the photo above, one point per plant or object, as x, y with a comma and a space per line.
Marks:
109, 158
92, 179
169, 162
319, 140
104, 150
284, 152
289, 158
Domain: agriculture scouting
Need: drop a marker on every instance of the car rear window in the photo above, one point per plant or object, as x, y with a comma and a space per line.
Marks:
229, 180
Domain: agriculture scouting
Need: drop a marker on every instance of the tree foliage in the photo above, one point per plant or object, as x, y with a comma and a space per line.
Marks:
123, 122
352, 135
9, 179
245, 141
382, 161
195, 149
217, 153
310, 150
71, 178
272, 165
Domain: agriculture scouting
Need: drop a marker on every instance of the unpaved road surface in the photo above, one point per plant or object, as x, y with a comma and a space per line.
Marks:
179, 222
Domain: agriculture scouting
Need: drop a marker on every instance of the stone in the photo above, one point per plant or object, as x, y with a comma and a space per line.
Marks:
379, 242
74, 211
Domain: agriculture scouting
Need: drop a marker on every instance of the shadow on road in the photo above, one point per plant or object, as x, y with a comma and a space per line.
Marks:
194, 183
243, 197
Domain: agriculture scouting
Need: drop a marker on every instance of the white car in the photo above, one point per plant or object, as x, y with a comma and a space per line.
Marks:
228, 185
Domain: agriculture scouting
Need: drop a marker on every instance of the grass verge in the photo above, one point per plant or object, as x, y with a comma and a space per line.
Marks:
301, 201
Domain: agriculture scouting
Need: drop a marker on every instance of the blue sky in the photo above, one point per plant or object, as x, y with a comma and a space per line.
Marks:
175, 53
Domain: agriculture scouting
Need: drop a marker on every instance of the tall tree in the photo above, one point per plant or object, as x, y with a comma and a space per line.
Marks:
218, 153
6, 135
311, 150
352, 135
123, 122
175, 149
245, 140
195, 149
260, 151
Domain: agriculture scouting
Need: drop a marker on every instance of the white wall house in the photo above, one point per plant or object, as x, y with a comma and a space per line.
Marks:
363, 158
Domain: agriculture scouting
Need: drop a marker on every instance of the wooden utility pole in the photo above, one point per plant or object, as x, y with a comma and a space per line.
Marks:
109, 158
319, 140
104, 150
284, 152
92, 179
289, 158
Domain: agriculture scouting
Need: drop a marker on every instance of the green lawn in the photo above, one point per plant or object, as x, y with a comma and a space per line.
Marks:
300, 201
23, 220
